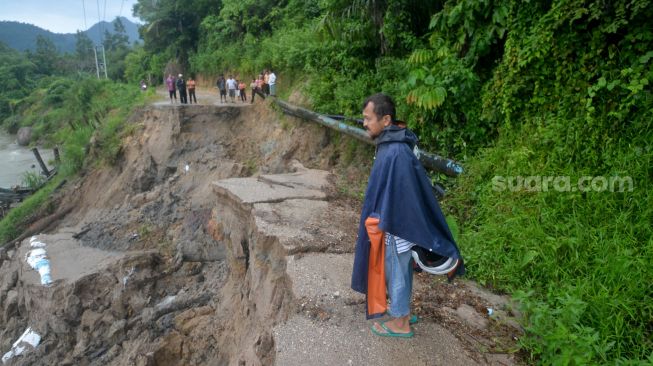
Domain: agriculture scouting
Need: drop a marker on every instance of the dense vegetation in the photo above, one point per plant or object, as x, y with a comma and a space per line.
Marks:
510, 88
65, 104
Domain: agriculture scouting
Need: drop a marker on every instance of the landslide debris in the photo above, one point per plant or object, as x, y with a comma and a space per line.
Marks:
139, 278
219, 237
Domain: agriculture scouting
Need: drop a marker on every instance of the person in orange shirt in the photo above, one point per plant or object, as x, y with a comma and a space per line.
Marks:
241, 87
190, 84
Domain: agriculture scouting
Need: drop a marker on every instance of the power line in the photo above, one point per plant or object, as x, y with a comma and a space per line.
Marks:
122, 3
104, 16
84, 9
99, 19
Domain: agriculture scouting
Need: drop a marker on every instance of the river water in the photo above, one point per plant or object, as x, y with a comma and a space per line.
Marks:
15, 160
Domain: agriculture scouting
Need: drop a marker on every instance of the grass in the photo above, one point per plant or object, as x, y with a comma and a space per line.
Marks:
33, 180
578, 262
15, 221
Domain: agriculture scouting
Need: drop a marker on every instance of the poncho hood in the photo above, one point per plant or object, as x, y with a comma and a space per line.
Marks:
394, 133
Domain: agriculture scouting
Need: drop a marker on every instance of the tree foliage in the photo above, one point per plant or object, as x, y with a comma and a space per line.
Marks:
17, 77
172, 26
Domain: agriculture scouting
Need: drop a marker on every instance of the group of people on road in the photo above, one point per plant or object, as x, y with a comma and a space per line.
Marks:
186, 89
264, 85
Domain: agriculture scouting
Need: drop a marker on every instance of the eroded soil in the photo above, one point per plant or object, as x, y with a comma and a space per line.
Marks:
154, 264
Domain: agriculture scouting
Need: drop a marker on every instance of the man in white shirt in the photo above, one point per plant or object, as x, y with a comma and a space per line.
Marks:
272, 80
232, 86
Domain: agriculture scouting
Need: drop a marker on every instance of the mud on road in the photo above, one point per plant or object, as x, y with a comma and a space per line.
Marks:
213, 240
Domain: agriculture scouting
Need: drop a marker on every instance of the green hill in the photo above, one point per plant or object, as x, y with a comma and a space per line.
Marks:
22, 36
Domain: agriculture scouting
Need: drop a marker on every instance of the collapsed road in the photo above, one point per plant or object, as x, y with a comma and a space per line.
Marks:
223, 235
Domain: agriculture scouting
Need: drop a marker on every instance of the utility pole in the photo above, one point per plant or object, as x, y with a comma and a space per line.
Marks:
105, 63
97, 67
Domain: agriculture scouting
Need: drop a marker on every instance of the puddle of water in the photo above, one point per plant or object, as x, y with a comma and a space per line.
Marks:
16, 160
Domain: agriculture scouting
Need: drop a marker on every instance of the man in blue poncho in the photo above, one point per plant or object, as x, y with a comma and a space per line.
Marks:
399, 212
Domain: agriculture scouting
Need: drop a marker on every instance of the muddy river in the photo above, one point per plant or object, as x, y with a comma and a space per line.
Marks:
15, 160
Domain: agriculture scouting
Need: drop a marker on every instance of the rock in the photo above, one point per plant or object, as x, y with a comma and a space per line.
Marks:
72, 309
117, 331
205, 250
190, 319
89, 320
170, 349
146, 360
24, 136
198, 240
8, 281
10, 306
469, 315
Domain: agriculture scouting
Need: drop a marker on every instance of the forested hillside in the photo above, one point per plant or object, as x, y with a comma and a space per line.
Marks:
23, 37
548, 106
24, 74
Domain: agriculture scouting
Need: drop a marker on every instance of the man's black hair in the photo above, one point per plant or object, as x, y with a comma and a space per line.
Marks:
383, 105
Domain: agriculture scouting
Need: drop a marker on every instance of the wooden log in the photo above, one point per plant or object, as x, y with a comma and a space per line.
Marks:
44, 168
57, 158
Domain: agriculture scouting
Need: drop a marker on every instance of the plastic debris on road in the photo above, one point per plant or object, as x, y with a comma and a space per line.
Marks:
37, 258
29, 337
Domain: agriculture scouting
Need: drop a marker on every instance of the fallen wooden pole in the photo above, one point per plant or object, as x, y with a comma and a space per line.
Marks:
430, 161
44, 168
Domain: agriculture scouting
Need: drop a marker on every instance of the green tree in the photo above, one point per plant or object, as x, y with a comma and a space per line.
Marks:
116, 40
172, 26
137, 66
116, 46
46, 58
17, 76
84, 54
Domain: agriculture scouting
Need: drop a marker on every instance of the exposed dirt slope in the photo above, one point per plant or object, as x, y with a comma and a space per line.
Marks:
209, 243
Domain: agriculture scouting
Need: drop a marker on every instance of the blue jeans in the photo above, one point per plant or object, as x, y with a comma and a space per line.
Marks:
398, 278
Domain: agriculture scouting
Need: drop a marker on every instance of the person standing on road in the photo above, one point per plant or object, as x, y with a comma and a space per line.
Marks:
222, 88
191, 90
272, 82
243, 94
256, 88
399, 212
170, 83
232, 86
181, 86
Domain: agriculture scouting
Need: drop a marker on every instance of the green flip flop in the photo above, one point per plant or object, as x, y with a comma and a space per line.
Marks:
414, 319
390, 333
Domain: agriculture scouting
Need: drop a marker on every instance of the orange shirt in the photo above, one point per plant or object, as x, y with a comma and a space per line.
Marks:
190, 84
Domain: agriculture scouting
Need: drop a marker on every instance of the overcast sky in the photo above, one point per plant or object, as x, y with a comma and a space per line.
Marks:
65, 16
